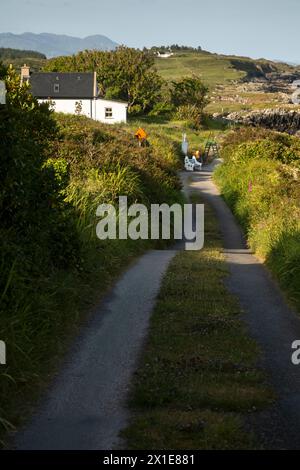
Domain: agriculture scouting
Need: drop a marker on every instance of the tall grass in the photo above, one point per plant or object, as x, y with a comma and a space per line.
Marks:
260, 180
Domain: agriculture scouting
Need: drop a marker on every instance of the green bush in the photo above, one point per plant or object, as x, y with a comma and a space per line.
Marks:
247, 143
161, 109
190, 91
32, 209
87, 145
191, 114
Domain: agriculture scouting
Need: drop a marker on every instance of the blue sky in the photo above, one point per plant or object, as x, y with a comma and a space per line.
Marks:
256, 28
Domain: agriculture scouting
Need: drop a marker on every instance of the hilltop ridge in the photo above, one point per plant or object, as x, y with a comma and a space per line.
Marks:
53, 45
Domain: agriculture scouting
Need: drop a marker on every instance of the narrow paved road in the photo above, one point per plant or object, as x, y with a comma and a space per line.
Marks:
270, 321
86, 406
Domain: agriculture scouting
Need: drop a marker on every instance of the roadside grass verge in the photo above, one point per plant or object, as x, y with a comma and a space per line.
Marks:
198, 378
259, 180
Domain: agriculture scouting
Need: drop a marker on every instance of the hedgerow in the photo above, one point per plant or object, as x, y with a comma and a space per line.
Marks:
260, 180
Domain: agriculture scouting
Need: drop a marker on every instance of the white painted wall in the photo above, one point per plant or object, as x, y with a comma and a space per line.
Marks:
69, 106
94, 109
119, 111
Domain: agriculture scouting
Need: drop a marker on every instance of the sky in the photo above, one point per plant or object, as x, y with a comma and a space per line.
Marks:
254, 28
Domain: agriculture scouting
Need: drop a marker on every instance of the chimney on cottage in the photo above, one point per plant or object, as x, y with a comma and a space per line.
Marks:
95, 85
25, 73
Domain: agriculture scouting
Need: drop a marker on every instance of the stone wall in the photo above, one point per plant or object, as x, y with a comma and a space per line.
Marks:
276, 119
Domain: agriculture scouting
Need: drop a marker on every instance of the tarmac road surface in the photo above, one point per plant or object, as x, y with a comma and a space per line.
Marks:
85, 408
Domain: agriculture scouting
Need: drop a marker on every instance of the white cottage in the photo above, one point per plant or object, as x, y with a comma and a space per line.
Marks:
75, 93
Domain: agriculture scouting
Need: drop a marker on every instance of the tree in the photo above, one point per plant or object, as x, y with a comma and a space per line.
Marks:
189, 91
190, 98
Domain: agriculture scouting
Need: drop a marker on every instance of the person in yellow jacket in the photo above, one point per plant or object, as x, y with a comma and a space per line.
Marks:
199, 156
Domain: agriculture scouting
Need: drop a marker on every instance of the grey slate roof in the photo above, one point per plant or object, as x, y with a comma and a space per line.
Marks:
63, 85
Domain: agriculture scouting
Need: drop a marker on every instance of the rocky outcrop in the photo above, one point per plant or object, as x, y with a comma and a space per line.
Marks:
253, 69
263, 71
276, 119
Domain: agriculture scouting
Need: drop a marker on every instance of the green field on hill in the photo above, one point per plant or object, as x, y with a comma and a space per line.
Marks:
215, 69
212, 68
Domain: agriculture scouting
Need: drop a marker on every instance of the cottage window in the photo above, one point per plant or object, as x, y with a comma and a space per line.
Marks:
108, 113
56, 88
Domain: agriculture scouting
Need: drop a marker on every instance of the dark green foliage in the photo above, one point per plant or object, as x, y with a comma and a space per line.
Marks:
189, 91
6, 53
30, 197
18, 58
162, 109
189, 96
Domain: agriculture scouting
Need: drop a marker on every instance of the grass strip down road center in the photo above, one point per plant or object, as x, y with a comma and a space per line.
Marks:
198, 378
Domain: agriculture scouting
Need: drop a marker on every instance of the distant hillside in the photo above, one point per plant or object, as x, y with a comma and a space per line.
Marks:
237, 84
17, 58
8, 53
216, 69
53, 45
